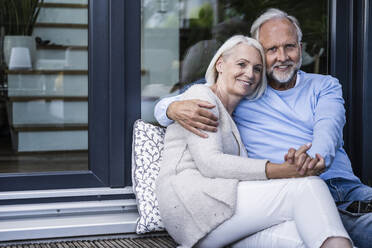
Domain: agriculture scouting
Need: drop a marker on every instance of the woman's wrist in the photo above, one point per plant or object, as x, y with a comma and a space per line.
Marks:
272, 170
276, 171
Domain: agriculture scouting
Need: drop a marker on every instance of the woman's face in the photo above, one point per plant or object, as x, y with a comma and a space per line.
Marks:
240, 70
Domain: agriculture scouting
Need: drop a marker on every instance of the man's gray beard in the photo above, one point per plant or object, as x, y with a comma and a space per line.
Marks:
286, 78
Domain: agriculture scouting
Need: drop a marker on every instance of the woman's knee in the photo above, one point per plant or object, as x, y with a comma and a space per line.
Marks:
312, 183
308, 188
283, 235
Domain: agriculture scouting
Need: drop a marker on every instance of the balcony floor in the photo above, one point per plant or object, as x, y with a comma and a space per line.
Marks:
137, 242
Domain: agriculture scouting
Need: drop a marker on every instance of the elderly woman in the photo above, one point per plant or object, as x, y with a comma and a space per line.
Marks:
211, 194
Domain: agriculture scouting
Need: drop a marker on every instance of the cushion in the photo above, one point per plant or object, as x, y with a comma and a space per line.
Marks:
147, 148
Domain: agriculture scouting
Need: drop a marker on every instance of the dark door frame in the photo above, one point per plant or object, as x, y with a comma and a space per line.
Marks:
350, 48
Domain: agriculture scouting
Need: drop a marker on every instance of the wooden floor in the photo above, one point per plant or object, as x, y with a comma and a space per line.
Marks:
154, 242
12, 162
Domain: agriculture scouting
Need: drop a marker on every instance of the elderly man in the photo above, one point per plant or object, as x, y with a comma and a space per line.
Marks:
297, 108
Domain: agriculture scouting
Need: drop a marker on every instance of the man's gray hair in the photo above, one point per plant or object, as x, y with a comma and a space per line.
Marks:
274, 14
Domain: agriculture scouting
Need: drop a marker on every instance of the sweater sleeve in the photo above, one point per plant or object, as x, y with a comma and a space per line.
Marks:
208, 152
160, 111
329, 121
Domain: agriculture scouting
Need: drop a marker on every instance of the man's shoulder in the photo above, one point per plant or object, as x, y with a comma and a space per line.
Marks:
316, 76
318, 80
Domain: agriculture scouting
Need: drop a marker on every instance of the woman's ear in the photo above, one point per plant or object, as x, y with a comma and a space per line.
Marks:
219, 65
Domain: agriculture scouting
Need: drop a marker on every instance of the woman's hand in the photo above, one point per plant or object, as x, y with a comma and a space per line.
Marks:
284, 170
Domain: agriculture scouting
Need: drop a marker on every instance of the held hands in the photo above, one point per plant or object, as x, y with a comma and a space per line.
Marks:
305, 165
296, 164
193, 116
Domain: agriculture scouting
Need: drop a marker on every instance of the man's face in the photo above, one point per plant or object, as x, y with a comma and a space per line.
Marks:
283, 52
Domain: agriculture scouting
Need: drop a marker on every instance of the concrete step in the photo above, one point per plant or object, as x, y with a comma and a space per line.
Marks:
63, 13
29, 210
59, 84
68, 226
63, 34
44, 124
47, 110
49, 141
61, 57
63, 219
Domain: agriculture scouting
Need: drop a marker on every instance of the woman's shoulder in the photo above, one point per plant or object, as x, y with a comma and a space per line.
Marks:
201, 92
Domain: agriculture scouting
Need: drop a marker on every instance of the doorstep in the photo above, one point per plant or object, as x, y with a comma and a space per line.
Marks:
67, 219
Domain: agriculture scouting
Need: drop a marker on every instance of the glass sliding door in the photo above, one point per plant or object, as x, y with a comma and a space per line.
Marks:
63, 118
44, 98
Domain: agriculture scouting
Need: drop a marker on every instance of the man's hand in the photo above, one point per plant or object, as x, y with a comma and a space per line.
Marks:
318, 168
299, 157
192, 115
306, 166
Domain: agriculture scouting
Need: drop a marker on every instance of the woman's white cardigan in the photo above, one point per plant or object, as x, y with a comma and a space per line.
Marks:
197, 183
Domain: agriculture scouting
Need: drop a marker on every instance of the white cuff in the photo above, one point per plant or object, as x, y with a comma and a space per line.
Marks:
160, 111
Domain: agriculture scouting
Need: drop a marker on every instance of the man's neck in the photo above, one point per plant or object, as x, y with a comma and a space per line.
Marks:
280, 86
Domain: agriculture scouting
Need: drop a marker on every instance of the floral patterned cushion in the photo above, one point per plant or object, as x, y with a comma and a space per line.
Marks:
148, 143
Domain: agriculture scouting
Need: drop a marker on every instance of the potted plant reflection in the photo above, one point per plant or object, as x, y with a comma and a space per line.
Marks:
18, 18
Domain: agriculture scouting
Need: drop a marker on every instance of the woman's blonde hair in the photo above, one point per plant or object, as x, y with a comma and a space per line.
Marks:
211, 75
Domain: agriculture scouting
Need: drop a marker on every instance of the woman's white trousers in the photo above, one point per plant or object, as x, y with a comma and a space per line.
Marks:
278, 213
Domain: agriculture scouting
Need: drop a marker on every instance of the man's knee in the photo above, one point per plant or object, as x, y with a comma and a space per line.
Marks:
357, 221
359, 227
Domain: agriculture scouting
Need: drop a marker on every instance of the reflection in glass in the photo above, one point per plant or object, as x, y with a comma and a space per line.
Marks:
179, 38
44, 102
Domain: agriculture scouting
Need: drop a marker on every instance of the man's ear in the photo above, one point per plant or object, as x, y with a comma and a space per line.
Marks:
300, 49
219, 65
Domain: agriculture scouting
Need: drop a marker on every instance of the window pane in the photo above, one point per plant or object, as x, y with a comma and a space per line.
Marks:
180, 37
44, 86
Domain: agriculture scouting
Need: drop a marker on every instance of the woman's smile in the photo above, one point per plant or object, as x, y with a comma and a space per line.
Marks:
245, 82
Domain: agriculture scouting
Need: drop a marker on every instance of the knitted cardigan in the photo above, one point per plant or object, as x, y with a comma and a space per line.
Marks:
197, 184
